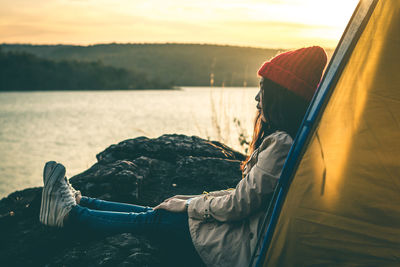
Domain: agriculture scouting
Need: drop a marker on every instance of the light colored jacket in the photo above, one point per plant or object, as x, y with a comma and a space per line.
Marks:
224, 225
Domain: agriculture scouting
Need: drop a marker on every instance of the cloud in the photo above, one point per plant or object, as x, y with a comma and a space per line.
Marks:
252, 22
276, 24
25, 31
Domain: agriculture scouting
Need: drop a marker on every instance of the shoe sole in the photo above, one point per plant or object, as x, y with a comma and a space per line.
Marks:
50, 171
56, 173
47, 170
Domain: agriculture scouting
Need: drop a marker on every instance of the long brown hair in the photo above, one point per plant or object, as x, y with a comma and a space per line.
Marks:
283, 111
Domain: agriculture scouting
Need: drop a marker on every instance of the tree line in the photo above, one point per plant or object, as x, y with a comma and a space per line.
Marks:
178, 64
21, 71
169, 63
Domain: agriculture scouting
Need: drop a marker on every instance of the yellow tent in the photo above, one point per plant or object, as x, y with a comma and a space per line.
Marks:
338, 200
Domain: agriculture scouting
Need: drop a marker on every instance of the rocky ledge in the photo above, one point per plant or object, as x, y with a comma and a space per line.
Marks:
141, 171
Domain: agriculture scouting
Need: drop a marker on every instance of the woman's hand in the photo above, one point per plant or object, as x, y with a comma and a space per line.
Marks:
173, 205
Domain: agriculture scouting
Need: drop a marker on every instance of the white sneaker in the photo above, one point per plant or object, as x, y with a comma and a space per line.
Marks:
57, 199
48, 168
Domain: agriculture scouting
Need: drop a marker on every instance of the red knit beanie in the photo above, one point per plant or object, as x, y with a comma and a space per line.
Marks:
299, 71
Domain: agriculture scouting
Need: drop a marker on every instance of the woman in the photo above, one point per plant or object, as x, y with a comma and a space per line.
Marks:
222, 226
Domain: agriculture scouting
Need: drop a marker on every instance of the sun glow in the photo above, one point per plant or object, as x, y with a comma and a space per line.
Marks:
269, 23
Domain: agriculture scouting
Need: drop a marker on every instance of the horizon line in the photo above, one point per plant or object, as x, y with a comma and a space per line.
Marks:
156, 43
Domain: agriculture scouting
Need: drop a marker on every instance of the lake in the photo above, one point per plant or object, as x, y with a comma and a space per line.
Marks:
72, 127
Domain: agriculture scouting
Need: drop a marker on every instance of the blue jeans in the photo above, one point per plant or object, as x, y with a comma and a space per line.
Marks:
169, 229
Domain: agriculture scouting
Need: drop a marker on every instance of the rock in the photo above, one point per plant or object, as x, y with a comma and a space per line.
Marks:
141, 171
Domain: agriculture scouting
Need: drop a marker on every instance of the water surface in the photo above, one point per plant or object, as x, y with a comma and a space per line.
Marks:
72, 127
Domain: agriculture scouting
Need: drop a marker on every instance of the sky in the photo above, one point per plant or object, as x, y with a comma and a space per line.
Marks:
256, 23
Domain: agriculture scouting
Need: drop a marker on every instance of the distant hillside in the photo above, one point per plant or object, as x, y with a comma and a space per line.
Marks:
179, 64
20, 71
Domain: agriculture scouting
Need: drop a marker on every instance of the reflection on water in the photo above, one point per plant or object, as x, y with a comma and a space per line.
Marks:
72, 127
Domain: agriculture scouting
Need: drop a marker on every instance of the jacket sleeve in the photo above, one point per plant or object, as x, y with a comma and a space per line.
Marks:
220, 192
252, 191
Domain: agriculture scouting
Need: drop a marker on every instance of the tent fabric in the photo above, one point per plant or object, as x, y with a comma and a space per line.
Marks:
343, 205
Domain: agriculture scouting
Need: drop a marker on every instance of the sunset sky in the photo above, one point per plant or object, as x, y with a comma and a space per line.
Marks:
268, 23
